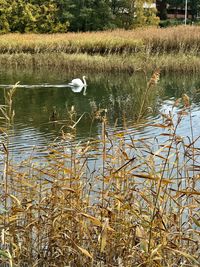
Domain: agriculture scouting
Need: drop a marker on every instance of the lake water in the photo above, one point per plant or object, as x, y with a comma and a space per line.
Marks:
43, 100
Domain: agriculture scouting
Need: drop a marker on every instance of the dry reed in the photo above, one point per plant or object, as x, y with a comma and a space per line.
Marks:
136, 203
151, 40
113, 63
175, 48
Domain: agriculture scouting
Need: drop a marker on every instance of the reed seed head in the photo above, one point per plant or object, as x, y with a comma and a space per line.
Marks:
155, 78
186, 100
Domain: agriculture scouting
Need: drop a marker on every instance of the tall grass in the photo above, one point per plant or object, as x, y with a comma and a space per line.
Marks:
173, 48
168, 63
151, 40
132, 202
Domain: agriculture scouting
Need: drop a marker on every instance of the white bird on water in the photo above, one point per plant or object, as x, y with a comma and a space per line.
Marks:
78, 82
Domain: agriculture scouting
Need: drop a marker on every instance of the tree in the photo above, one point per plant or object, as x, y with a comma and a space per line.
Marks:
150, 14
21, 17
194, 7
162, 9
123, 12
49, 16
101, 16
88, 15
145, 14
4, 13
47, 19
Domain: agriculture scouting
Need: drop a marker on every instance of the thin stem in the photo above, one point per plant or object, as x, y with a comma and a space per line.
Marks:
159, 187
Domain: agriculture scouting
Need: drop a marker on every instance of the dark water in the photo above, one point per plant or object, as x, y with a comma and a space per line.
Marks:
43, 100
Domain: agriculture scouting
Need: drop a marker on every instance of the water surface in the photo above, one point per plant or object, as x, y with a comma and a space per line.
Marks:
43, 101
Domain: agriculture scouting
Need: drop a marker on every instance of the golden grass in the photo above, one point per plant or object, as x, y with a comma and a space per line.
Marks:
159, 40
173, 49
111, 63
136, 203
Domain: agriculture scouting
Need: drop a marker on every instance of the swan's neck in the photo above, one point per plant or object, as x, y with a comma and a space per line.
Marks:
84, 91
84, 81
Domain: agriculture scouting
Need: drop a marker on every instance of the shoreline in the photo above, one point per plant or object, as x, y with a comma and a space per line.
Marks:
110, 63
146, 49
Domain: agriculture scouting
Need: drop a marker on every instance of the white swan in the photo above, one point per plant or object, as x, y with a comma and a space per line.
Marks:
78, 82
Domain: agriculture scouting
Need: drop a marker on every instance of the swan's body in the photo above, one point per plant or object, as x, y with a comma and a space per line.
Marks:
78, 82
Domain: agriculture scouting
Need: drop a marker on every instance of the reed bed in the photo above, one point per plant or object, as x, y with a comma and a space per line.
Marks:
169, 63
152, 40
109, 50
115, 201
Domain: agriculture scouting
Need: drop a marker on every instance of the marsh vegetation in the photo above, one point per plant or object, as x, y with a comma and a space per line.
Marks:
132, 202
172, 49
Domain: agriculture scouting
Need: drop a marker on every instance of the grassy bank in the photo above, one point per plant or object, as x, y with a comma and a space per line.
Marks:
132, 202
174, 48
111, 63
151, 40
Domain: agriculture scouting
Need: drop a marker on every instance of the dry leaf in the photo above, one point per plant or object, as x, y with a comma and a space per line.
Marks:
85, 252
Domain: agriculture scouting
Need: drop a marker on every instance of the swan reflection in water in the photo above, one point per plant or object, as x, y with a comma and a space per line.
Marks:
79, 89
77, 85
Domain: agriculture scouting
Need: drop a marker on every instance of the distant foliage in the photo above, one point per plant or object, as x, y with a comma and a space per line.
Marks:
30, 16
53, 16
145, 16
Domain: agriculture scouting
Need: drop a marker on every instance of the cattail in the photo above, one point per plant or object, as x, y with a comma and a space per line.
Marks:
186, 100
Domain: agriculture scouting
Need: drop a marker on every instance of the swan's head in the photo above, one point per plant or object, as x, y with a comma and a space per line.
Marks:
84, 77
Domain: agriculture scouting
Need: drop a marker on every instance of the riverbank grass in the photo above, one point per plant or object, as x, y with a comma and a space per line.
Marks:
173, 49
